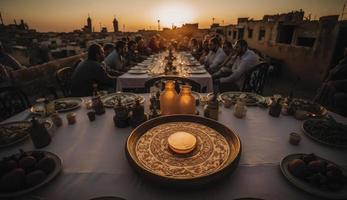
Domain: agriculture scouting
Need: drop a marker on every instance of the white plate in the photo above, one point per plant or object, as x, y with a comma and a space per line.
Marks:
35, 110
137, 71
197, 68
200, 71
126, 98
143, 64
139, 68
258, 98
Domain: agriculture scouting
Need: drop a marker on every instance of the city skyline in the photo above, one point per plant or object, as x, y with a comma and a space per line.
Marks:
66, 16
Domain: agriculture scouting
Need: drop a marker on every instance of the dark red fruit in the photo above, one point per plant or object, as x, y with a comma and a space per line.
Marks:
27, 162
13, 180
46, 164
38, 155
11, 165
317, 166
298, 168
309, 158
35, 177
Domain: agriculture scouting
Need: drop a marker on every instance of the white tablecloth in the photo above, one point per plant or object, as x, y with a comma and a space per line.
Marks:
138, 81
95, 164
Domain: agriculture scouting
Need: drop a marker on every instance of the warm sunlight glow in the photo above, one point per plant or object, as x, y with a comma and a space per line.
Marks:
173, 15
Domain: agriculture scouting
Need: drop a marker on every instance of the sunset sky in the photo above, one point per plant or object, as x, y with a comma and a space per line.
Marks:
67, 15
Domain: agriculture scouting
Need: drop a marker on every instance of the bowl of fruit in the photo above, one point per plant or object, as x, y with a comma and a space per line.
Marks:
315, 175
26, 171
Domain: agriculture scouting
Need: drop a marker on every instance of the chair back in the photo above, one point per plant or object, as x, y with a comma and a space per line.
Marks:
255, 79
159, 82
12, 101
64, 79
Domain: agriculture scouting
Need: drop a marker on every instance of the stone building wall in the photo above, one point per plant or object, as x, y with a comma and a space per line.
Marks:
39, 80
307, 54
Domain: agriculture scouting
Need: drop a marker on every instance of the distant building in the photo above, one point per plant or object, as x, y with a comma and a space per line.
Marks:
214, 25
194, 26
88, 28
188, 30
22, 26
307, 48
115, 25
89, 23
103, 30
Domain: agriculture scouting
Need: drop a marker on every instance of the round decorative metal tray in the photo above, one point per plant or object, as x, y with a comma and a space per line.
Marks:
341, 194
328, 133
127, 98
217, 151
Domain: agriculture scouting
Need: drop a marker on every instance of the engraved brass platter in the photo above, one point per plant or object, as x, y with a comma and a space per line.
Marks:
217, 150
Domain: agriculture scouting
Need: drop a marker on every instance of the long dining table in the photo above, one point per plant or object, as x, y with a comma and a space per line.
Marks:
155, 65
95, 163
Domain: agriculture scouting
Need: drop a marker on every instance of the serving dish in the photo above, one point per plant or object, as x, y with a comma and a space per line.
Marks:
216, 154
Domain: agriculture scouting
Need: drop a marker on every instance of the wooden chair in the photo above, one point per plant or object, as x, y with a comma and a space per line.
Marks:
77, 63
12, 101
159, 81
255, 79
64, 79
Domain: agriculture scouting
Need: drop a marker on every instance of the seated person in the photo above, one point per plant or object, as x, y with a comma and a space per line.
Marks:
231, 76
141, 46
108, 48
215, 57
163, 43
91, 71
184, 44
195, 48
154, 45
228, 48
230, 54
115, 60
337, 95
8, 61
204, 51
133, 57
333, 91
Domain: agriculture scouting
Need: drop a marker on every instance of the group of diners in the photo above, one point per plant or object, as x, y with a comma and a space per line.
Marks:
105, 63
226, 63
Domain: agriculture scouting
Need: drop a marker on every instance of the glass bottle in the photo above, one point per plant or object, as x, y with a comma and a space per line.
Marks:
275, 108
211, 110
186, 101
168, 99
95, 89
121, 117
138, 114
39, 134
97, 104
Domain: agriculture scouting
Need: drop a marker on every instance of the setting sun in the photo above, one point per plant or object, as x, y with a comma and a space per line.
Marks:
173, 15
